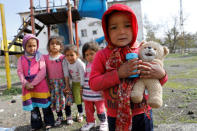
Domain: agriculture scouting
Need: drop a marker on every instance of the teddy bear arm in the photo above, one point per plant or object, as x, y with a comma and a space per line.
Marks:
138, 91
155, 92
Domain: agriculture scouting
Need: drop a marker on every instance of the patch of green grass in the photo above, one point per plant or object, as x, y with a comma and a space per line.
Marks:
181, 59
191, 95
174, 55
181, 55
183, 105
12, 91
13, 75
176, 85
190, 121
191, 73
183, 119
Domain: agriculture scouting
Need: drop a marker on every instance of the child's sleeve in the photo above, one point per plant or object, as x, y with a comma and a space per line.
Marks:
65, 68
20, 72
100, 79
81, 67
41, 74
164, 79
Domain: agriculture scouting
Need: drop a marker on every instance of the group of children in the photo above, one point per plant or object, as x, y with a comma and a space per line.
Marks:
54, 81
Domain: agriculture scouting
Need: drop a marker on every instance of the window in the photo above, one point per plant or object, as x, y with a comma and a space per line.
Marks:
84, 33
94, 32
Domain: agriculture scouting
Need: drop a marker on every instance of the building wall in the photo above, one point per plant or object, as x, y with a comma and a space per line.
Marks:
90, 25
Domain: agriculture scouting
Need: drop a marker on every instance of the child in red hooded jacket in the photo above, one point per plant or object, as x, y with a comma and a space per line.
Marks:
110, 72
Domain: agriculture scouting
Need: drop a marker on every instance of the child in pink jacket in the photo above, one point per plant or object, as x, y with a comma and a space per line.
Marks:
31, 70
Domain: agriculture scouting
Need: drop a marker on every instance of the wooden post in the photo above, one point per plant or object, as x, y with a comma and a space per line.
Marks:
48, 26
32, 16
76, 29
70, 22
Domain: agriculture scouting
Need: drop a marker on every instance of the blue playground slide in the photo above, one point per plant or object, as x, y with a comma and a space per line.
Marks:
92, 8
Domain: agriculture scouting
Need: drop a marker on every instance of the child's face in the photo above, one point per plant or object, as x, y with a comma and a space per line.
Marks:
31, 46
71, 56
89, 55
54, 46
120, 29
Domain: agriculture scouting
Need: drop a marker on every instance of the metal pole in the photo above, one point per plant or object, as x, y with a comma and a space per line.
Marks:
48, 26
32, 16
76, 29
7, 65
70, 22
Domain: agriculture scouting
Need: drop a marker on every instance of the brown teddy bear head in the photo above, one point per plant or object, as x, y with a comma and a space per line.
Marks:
152, 50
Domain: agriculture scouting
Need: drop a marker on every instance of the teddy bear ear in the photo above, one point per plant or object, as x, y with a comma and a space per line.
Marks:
143, 42
166, 50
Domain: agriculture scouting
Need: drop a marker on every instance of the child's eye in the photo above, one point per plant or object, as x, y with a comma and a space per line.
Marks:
128, 25
113, 28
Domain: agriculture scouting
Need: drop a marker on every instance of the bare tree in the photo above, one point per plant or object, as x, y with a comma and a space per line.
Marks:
172, 37
151, 30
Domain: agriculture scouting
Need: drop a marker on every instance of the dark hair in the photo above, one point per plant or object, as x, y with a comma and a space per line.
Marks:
90, 46
71, 47
59, 39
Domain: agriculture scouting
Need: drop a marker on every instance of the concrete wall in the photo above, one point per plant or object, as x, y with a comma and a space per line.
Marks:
90, 25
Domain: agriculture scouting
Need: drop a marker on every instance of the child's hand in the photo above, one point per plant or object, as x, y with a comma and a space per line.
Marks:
128, 67
151, 70
67, 90
29, 86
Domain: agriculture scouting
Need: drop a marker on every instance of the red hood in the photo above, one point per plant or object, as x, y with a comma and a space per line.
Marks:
121, 8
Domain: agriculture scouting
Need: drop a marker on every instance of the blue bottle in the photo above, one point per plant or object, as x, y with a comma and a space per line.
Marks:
130, 56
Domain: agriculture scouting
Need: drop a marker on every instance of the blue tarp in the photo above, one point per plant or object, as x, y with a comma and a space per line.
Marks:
92, 8
100, 40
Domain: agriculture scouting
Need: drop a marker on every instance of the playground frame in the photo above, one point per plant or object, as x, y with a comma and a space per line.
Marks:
5, 43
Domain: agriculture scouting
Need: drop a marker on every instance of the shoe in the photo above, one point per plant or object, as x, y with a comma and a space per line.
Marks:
103, 126
88, 126
80, 117
69, 120
48, 128
59, 121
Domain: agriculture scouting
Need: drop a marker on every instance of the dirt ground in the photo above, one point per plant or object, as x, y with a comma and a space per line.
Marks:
178, 113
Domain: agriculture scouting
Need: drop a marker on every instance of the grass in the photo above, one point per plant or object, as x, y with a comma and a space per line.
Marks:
13, 75
12, 91
180, 93
8, 94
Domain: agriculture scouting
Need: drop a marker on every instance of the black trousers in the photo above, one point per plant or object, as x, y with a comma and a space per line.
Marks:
68, 110
36, 119
140, 123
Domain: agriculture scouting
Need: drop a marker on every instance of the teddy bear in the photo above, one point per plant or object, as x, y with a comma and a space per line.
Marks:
150, 52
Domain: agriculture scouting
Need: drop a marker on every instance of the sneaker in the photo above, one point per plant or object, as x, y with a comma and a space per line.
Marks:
103, 126
59, 121
88, 126
80, 117
69, 120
